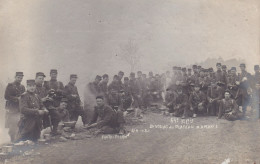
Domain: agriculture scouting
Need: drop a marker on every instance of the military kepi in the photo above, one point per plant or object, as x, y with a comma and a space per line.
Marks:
73, 76
40, 74
242, 65
30, 82
19, 74
54, 71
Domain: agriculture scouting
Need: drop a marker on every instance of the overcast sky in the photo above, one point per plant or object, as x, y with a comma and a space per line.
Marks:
84, 36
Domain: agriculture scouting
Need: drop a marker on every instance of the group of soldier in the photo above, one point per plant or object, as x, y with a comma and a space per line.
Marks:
185, 93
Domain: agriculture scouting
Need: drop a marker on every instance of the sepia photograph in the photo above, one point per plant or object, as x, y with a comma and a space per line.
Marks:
129, 82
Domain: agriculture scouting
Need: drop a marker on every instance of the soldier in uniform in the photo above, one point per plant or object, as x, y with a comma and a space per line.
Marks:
40, 89
180, 103
219, 75
91, 90
156, 89
136, 92
204, 80
32, 110
169, 100
103, 87
74, 102
244, 90
195, 76
53, 83
127, 94
62, 110
232, 82
257, 74
214, 94
229, 108
94, 86
105, 119
189, 72
120, 77
12, 95
115, 85
256, 91
197, 102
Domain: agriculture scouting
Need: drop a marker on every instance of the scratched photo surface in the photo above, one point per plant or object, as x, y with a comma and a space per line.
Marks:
97, 37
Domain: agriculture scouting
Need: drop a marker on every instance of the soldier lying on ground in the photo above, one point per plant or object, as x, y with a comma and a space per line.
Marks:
105, 119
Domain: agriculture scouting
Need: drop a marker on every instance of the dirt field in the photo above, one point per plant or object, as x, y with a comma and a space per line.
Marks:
160, 139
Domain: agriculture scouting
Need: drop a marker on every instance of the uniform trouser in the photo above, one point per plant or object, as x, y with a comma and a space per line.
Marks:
52, 119
196, 110
213, 108
116, 126
233, 116
30, 129
146, 100
74, 114
12, 120
137, 101
178, 112
243, 100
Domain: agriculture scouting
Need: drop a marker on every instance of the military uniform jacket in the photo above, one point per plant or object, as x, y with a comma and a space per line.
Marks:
30, 104
181, 100
226, 106
41, 91
215, 93
116, 86
12, 93
257, 78
53, 84
220, 77
135, 89
94, 88
197, 97
103, 87
104, 116
73, 102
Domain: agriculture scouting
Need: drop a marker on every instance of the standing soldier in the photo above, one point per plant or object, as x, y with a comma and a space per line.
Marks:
53, 83
94, 86
232, 82
257, 74
40, 89
32, 110
136, 93
103, 87
225, 74
189, 72
91, 90
195, 76
127, 98
244, 91
120, 77
256, 89
74, 102
140, 82
12, 95
219, 75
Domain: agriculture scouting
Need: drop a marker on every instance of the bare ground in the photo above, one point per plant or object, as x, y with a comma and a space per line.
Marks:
238, 141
